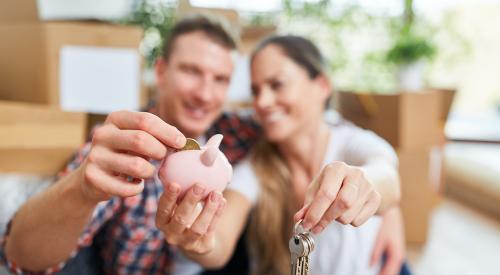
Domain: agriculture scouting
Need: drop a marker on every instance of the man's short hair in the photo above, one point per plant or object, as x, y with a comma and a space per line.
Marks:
216, 29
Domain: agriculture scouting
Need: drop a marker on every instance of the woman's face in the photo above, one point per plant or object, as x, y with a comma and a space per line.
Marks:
286, 100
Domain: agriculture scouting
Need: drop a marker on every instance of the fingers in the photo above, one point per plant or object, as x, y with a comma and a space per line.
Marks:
378, 249
369, 209
330, 183
111, 185
217, 216
139, 142
119, 163
348, 216
167, 204
200, 226
393, 263
150, 123
184, 213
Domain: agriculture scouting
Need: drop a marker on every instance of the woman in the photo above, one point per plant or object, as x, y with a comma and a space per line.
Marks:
304, 169
290, 91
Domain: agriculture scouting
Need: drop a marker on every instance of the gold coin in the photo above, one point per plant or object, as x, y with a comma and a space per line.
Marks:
191, 144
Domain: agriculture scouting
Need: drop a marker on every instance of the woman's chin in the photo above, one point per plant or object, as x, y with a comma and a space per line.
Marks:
274, 136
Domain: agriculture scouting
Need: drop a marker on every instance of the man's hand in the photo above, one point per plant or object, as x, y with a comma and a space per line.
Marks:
183, 224
390, 242
342, 193
118, 161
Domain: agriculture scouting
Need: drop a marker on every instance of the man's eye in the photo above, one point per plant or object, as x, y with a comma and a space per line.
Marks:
222, 80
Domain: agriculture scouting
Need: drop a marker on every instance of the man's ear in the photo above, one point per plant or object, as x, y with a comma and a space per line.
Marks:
160, 67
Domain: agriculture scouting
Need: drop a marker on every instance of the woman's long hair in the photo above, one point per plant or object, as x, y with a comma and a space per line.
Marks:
271, 221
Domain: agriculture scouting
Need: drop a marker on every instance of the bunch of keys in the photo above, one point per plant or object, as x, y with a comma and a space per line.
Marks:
301, 245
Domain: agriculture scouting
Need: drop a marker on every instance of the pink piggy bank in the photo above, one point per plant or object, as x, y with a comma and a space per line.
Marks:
208, 167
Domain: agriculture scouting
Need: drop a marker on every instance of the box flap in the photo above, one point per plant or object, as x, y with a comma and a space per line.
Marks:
14, 11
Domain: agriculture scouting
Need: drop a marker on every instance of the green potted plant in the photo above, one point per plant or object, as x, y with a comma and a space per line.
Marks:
409, 53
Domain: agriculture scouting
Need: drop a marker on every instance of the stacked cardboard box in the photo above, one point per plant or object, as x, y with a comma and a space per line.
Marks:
63, 67
38, 139
41, 61
413, 124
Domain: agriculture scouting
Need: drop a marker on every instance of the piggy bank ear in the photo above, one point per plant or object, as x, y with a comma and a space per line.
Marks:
208, 157
214, 141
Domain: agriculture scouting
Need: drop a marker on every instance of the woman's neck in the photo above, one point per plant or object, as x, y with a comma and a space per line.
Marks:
305, 151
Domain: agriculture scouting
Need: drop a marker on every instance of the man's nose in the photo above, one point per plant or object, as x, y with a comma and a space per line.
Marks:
205, 92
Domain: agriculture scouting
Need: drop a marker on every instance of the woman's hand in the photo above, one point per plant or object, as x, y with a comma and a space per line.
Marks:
342, 193
183, 224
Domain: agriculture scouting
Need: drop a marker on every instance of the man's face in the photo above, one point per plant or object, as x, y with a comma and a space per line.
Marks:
193, 82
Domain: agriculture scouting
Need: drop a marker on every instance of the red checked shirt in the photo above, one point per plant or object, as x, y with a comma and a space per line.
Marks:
124, 228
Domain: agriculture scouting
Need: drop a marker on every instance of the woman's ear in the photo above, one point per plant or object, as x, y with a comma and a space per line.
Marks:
325, 85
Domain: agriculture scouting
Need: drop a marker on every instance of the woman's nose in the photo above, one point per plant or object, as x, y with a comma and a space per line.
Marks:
264, 99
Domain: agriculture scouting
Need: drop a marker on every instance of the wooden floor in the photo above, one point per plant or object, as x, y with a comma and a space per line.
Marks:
461, 241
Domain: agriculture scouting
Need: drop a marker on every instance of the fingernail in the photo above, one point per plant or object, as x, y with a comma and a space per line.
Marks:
180, 141
197, 190
215, 196
307, 225
173, 188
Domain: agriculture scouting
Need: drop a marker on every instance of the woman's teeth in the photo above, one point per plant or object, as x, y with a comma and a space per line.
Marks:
273, 117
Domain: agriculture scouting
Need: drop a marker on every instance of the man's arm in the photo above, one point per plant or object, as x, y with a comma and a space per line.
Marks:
390, 243
45, 230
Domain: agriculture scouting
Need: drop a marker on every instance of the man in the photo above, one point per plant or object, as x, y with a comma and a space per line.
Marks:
107, 198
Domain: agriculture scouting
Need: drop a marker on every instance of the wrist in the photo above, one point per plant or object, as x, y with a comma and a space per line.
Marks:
78, 191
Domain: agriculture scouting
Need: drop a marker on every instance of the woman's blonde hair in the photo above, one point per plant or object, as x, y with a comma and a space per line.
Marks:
271, 221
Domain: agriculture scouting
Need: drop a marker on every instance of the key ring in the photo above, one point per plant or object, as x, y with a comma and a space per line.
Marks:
297, 228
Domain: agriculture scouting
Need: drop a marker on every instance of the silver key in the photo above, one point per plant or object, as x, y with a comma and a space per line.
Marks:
301, 245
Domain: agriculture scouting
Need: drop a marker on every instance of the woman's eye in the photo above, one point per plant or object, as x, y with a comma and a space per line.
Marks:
255, 91
276, 85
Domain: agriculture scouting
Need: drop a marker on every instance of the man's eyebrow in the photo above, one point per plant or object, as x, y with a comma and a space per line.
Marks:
188, 65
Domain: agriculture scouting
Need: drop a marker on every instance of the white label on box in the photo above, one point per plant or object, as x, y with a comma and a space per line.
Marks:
99, 80
84, 9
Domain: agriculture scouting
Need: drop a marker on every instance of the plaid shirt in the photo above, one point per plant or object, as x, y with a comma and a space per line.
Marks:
124, 228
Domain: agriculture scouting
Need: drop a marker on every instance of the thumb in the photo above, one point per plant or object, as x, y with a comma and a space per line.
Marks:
300, 214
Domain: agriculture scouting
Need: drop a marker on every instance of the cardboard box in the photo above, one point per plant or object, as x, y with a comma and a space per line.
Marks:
405, 120
185, 8
419, 196
251, 36
37, 139
32, 67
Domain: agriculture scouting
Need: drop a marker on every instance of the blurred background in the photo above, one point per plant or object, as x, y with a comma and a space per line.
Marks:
422, 74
